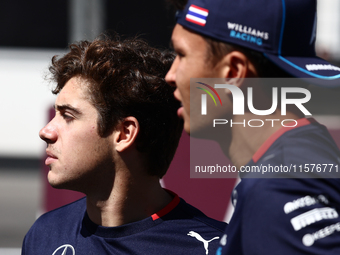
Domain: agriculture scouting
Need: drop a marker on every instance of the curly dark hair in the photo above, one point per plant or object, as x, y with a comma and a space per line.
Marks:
126, 78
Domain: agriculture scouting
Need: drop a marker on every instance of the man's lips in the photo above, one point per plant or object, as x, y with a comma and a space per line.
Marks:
177, 94
50, 158
180, 112
180, 109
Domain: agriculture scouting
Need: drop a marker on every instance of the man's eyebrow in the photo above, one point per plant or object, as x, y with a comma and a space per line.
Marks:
64, 107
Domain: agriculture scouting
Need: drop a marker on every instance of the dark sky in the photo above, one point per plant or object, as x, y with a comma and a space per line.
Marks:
44, 24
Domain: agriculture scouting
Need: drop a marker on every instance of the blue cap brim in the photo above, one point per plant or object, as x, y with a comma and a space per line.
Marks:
313, 69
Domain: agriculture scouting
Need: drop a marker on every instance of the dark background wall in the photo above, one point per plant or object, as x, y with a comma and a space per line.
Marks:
36, 23
45, 24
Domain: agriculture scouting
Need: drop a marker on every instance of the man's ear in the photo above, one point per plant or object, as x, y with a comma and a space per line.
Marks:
126, 133
237, 67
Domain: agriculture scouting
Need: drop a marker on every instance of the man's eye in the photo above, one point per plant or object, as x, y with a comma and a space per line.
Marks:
67, 117
180, 54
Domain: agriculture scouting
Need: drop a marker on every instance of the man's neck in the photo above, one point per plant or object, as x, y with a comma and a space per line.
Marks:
246, 140
129, 201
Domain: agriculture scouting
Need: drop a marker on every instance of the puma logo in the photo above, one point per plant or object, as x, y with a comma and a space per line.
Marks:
199, 238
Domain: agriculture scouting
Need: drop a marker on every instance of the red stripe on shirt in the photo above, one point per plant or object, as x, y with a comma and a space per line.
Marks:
265, 146
174, 202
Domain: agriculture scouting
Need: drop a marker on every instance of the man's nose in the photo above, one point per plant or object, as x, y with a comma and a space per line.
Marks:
48, 133
170, 77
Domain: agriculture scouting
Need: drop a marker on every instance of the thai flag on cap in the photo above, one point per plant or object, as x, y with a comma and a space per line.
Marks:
197, 15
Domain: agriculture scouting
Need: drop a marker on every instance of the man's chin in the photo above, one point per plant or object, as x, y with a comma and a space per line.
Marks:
57, 183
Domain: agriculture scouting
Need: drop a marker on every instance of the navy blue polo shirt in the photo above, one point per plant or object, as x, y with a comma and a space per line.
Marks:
179, 228
288, 215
